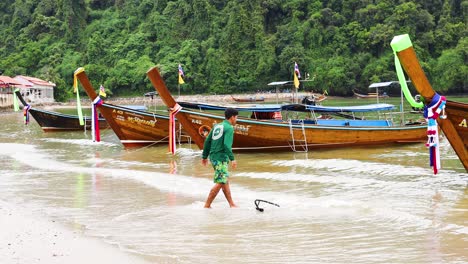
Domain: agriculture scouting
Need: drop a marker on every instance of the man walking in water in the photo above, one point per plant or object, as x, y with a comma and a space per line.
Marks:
218, 145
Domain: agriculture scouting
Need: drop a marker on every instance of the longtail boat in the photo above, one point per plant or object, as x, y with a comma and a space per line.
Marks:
53, 121
313, 99
455, 125
299, 135
134, 128
369, 95
248, 99
317, 98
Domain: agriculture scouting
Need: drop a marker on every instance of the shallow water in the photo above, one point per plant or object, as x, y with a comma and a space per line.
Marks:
359, 205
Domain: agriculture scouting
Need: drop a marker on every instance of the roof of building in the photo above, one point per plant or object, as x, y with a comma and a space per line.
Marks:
6, 81
35, 80
28, 81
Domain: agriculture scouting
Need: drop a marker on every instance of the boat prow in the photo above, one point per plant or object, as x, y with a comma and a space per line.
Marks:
455, 125
133, 126
50, 121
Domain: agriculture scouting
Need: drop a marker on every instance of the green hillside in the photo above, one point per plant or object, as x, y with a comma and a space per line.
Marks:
231, 46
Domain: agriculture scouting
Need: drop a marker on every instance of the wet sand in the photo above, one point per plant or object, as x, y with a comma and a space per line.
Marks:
29, 238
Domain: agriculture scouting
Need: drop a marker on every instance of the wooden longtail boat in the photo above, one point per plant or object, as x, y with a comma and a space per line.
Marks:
318, 98
455, 126
248, 99
268, 135
134, 128
313, 99
53, 121
369, 95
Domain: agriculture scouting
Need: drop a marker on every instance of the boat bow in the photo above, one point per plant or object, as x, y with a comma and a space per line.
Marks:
456, 112
158, 84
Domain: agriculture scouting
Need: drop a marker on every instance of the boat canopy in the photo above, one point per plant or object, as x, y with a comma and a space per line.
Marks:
290, 107
279, 83
357, 108
384, 84
136, 107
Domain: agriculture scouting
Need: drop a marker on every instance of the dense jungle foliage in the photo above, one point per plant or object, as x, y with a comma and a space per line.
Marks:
231, 46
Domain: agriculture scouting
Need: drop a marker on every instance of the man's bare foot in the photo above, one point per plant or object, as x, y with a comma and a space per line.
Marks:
207, 207
234, 206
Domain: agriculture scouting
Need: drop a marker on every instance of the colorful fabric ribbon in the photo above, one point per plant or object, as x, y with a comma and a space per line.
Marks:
95, 119
172, 125
404, 86
75, 90
433, 110
15, 101
26, 113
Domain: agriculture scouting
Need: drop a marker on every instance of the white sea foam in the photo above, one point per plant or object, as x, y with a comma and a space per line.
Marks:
292, 204
81, 142
345, 179
356, 167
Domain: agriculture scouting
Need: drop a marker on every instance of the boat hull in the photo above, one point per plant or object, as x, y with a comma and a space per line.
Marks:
137, 128
252, 135
457, 114
369, 96
55, 122
248, 100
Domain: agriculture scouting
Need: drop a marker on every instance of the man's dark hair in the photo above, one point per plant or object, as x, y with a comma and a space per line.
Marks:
230, 112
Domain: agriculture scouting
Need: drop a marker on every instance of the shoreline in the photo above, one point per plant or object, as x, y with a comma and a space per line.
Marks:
221, 98
30, 238
218, 98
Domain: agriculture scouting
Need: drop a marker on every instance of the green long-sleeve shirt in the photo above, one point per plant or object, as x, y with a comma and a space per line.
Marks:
218, 143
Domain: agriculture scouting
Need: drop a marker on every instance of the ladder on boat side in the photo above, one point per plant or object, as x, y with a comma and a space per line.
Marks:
298, 142
181, 135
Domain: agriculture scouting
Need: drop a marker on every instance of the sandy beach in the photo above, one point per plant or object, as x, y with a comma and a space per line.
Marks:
30, 238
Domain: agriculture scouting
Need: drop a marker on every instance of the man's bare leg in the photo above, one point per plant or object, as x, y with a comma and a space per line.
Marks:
227, 194
212, 195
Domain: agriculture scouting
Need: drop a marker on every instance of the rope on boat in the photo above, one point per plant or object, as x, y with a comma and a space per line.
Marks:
140, 148
257, 202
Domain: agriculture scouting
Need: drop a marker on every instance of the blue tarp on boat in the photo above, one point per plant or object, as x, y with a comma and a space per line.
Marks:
245, 107
357, 108
136, 107
290, 107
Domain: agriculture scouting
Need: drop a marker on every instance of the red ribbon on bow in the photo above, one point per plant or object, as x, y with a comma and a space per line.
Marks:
172, 125
95, 119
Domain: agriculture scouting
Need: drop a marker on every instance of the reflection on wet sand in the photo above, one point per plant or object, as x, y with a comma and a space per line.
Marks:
171, 196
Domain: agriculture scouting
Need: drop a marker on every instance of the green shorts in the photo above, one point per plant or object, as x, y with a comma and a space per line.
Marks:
221, 172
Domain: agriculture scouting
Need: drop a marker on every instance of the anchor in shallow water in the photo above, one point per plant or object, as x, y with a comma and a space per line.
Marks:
257, 202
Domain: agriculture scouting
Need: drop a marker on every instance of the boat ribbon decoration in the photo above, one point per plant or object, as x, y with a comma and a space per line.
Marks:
401, 77
172, 131
15, 101
432, 111
26, 113
95, 119
75, 90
